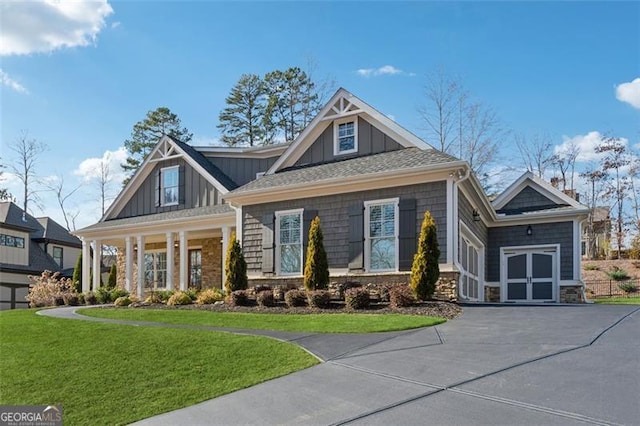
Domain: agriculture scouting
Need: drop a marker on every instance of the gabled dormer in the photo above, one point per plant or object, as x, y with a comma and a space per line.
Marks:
346, 127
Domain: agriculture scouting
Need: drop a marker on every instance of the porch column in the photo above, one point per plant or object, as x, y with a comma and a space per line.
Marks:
170, 255
183, 261
226, 234
86, 265
97, 270
128, 265
141, 266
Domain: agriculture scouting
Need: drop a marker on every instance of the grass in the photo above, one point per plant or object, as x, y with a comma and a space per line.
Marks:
618, 300
116, 374
317, 323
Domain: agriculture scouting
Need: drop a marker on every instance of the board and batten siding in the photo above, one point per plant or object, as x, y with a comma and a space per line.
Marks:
198, 192
333, 211
15, 255
528, 199
479, 229
542, 234
242, 170
370, 141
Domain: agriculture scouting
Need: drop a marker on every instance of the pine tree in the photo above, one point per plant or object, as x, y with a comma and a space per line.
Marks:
77, 275
235, 267
113, 277
316, 267
147, 132
242, 121
425, 270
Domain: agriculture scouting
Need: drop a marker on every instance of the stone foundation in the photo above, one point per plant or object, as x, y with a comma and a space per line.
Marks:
571, 294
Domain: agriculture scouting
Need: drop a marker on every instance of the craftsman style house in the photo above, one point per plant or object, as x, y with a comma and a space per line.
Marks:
29, 246
369, 181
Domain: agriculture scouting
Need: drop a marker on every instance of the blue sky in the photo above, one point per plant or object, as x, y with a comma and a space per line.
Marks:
77, 76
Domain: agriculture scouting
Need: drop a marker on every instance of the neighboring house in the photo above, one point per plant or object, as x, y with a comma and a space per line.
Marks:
29, 246
596, 241
369, 181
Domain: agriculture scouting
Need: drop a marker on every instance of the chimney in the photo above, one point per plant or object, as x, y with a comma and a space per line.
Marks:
555, 182
572, 193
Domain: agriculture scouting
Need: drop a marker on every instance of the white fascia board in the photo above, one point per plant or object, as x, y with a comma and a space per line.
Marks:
266, 151
544, 188
473, 189
187, 158
539, 217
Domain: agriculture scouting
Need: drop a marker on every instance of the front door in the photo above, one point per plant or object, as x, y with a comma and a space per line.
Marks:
529, 275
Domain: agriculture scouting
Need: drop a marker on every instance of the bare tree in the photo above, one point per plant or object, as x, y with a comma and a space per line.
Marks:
596, 181
535, 152
5, 195
104, 180
57, 187
27, 151
323, 89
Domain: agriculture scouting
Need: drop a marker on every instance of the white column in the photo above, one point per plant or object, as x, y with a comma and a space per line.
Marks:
128, 265
140, 266
97, 270
86, 265
226, 235
170, 256
183, 261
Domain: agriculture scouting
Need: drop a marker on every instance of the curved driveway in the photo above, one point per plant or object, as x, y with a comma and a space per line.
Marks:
560, 364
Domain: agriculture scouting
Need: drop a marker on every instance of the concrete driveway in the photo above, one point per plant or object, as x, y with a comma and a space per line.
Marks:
493, 365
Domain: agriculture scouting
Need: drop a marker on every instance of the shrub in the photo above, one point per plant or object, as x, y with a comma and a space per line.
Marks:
113, 276
164, 295
179, 298
628, 287
49, 289
77, 275
90, 298
316, 267
209, 296
591, 267
401, 296
235, 267
425, 270
618, 274
193, 293
71, 299
238, 298
319, 298
295, 298
357, 298
81, 300
265, 298
122, 301
103, 295
154, 297
118, 292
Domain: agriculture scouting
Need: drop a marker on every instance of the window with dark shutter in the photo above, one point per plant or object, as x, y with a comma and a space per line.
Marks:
356, 237
157, 190
407, 233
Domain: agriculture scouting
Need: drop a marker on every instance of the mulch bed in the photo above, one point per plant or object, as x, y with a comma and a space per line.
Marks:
433, 308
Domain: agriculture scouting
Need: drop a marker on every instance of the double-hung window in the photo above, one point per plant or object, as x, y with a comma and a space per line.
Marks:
155, 269
169, 186
289, 242
381, 235
345, 136
57, 256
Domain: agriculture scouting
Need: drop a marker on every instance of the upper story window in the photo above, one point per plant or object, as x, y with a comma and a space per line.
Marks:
289, 242
381, 235
57, 256
11, 241
345, 139
169, 178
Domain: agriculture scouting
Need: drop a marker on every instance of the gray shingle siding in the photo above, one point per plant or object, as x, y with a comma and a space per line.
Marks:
333, 211
198, 193
370, 141
547, 233
527, 200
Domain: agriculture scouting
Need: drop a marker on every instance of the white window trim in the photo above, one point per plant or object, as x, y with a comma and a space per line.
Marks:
367, 238
155, 271
277, 242
336, 139
162, 172
474, 241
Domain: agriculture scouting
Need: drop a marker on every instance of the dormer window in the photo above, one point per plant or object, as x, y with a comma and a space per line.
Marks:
169, 186
345, 136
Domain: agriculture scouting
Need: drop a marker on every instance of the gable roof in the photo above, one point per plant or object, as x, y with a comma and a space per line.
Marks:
42, 228
344, 104
53, 231
13, 216
168, 148
544, 188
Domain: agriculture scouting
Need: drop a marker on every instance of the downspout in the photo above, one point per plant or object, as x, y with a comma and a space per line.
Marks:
455, 220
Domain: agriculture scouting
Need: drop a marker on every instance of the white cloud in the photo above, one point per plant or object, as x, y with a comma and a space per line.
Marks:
5, 80
45, 26
587, 145
383, 70
90, 168
629, 93
200, 140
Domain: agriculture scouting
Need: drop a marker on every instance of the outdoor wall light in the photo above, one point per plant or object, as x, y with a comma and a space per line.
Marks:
529, 231
476, 216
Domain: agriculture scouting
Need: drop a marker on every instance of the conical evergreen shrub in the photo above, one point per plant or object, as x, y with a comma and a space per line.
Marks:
235, 267
113, 277
77, 275
425, 270
316, 267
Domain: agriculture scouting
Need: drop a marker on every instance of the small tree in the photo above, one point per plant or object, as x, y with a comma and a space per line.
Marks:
425, 270
235, 267
316, 267
113, 276
77, 275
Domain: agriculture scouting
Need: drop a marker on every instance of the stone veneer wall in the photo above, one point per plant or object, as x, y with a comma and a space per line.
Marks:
571, 294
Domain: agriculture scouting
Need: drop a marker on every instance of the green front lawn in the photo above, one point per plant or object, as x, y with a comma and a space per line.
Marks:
618, 300
116, 374
316, 323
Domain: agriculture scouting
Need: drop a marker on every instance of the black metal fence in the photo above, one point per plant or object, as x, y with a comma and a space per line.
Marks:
613, 288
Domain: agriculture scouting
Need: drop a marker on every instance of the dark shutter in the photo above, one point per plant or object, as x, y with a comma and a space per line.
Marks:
158, 188
407, 233
307, 217
356, 237
268, 243
181, 185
